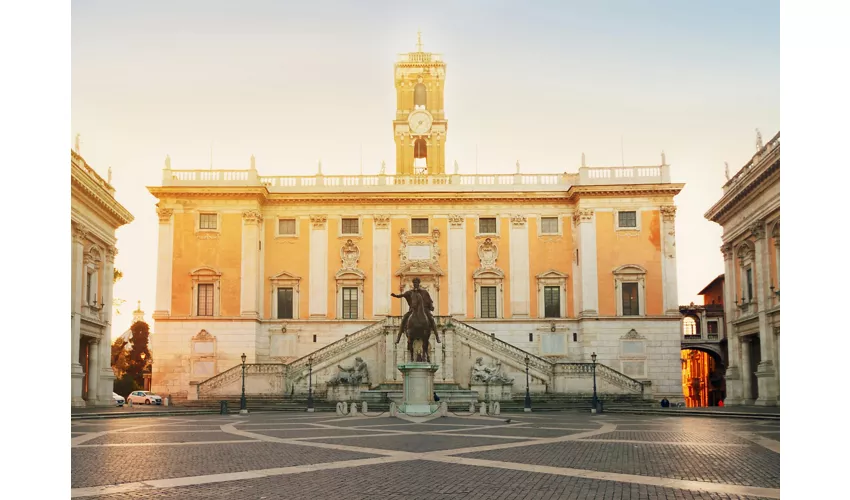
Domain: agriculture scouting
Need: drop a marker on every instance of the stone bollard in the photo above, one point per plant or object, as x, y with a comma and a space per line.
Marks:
444, 409
495, 408
353, 411
393, 410
472, 407
483, 410
342, 408
364, 408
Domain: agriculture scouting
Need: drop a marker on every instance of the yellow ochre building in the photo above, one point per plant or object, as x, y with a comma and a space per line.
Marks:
537, 270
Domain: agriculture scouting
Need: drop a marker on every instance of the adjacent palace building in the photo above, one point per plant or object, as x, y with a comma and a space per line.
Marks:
559, 266
95, 215
749, 214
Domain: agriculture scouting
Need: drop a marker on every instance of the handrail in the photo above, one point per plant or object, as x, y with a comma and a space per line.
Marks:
235, 372
604, 372
511, 350
346, 343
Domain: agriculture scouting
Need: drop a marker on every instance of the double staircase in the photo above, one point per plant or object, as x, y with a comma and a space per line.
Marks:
284, 378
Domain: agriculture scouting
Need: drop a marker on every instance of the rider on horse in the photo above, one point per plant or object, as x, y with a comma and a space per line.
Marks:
428, 303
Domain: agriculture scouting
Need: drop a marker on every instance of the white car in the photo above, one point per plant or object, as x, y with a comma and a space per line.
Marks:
119, 401
144, 397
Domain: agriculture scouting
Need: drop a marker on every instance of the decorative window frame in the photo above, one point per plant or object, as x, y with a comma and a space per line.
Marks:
540, 225
638, 356
551, 278
630, 273
358, 234
478, 232
489, 277
204, 275
203, 336
278, 234
637, 212
410, 227
746, 260
91, 265
199, 231
350, 278
285, 279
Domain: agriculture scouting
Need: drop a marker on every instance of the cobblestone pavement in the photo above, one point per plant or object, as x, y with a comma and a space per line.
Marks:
316, 456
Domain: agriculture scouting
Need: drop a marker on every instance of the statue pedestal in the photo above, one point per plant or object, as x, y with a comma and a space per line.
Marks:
495, 391
418, 399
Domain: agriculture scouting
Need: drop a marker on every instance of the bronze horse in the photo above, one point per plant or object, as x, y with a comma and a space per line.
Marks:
418, 328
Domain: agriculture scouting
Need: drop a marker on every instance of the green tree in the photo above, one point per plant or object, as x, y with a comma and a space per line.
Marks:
119, 357
139, 358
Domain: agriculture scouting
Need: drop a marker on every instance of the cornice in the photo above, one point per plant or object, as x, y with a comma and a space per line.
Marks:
576, 192
106, 203
732, 198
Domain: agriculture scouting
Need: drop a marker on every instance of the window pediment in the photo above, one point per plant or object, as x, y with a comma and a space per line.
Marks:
483, 274
552, 275
350, 274
207, 272
629, 269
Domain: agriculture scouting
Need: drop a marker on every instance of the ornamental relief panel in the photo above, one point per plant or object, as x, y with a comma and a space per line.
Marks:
668, 213
582, 215
252, 217
518, 220
350, 255
488, 253
381, 221
456, 220
319, 221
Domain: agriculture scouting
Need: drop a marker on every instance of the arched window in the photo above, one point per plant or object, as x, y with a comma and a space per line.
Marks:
420, 156
419, 96
689, 327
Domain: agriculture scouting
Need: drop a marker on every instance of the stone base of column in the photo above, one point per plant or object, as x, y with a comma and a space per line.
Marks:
77, 375
418, 398
766, 376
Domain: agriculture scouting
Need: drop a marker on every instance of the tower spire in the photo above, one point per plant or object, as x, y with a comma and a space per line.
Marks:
419, 41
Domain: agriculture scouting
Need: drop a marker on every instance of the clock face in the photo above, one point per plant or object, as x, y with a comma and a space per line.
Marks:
420, 122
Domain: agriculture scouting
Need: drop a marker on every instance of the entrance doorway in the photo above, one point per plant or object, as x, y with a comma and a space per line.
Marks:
84, 362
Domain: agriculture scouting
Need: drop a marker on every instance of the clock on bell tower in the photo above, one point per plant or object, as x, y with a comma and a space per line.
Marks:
420, 124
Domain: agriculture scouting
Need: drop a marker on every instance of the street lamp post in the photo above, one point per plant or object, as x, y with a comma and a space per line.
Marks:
243, 407
310, 384
595, 399
527, 394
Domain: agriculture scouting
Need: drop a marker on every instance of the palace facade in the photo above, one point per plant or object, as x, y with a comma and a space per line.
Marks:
748, 211
95, 215
553, 266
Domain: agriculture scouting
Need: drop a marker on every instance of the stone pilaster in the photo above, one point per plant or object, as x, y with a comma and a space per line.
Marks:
164, 261
107, 376
734, 389
78, 238
94, 370
318, 279
381, 266
766, 372
589, 287
668, 260
251, 220
457, 265
746, 373
519, 267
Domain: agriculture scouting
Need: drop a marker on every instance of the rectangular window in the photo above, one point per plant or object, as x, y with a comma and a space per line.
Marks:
91, 298
419, 226
209, 221
712, 327
628, 219
286, 226
284, 303
205, 299
487, 225
630, 299
549, 225
349, 303
488, 302
350, 226
552, 302
750, 284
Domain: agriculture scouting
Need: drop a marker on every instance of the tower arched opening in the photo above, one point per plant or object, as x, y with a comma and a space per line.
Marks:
420, 96
420, 156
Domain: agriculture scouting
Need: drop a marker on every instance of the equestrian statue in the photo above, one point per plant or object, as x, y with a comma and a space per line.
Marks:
418, 322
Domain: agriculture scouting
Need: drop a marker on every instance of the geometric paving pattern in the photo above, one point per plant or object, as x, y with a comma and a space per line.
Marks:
321, 455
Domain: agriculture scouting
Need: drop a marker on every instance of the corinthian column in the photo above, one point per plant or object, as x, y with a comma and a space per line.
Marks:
164, 258
94, 370
78, 235
766, 368
668, 260
105, 373
250, 262
589, 286
734, 389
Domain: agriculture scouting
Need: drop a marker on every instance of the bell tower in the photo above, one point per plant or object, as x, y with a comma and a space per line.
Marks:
420, 123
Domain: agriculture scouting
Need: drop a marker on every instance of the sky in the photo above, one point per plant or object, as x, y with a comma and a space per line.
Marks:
539, 83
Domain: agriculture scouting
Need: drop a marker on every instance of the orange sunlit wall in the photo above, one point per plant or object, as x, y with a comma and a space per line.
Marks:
616, 248
696, 386
714, 294
550, 252
223, 254
288, 254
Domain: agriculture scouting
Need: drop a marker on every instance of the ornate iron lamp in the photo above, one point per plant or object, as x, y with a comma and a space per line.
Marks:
310, 384
595, 398
242, 404
527, 393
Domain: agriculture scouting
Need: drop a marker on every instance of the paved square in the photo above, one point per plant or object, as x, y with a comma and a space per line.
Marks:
552, 455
